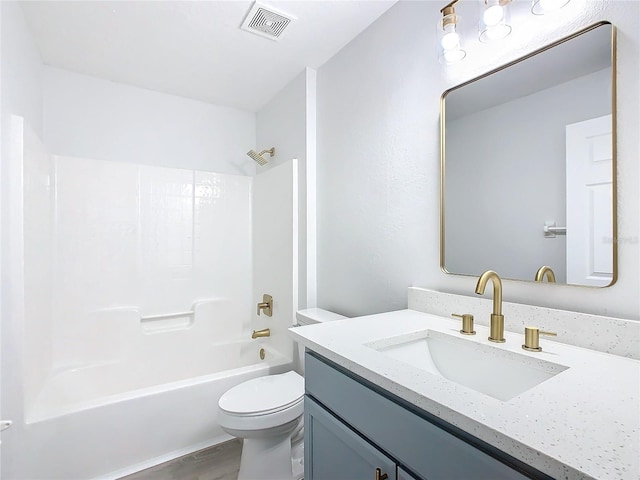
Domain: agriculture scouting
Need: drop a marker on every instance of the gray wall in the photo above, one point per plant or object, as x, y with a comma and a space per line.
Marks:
378, 159
376, 184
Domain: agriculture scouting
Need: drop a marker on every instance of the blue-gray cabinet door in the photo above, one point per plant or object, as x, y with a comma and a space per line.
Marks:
335, 452
404, 475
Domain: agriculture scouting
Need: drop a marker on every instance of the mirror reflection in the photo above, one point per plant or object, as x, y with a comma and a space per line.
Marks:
528, 166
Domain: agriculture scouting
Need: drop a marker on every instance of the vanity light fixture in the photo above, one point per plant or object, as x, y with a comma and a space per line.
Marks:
495, 22
449, 35
541, 7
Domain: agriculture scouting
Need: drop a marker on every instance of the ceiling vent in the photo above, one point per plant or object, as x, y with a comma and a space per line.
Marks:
266, 21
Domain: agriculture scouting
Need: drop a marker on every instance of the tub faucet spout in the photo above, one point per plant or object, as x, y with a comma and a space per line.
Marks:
265, 332
496, 333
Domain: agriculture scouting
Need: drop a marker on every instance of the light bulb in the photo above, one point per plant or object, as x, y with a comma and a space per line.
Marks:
450, 41
495, 21
493, 15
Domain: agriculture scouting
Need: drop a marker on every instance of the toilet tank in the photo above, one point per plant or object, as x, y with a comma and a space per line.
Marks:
310, 316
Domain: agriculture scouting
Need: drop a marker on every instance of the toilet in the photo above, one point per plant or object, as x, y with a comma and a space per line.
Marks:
266, 412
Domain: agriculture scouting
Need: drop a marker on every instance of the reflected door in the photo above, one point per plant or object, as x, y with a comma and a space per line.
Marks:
590, 202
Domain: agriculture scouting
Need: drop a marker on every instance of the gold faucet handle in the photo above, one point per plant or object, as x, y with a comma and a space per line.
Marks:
467, 323
532, 338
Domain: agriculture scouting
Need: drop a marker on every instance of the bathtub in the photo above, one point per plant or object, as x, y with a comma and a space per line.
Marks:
88, 422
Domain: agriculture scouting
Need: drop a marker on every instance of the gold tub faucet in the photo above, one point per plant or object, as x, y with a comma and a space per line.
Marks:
496, 332
265, 332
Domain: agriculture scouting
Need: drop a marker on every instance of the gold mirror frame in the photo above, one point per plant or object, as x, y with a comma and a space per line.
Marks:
614, 147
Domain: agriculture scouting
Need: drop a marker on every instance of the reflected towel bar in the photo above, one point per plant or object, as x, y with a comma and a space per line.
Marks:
167, 315
551, 230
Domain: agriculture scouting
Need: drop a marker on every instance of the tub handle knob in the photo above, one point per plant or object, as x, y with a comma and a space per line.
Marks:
266, 305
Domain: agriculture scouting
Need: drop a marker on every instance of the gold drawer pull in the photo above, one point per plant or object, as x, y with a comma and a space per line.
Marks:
380, 475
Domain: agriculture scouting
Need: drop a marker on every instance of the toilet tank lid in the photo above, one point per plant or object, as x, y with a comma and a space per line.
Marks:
309, 316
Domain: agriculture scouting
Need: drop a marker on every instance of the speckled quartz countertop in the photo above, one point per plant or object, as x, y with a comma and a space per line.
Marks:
582, 423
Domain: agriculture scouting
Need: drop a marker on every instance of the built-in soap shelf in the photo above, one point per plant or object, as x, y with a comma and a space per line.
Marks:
132, 320
167, 321
204, 311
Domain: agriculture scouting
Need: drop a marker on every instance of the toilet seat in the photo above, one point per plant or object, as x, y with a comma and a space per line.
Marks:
263, 403
263, 395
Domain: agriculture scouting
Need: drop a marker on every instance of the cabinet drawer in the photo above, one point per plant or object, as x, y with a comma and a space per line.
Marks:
412, 440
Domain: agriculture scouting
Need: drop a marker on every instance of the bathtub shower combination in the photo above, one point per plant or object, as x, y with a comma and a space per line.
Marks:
137, 303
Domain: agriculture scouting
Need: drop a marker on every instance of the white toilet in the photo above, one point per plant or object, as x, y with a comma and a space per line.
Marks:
266, 412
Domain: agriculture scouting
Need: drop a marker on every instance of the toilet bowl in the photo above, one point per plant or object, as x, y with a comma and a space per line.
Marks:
266, 412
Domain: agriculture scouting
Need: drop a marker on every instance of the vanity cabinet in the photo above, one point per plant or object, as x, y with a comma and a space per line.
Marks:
338, 452
353, 428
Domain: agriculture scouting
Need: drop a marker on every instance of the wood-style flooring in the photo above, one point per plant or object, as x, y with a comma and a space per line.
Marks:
220, 462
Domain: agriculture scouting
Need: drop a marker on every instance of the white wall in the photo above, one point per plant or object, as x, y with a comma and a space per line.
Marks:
378, 160
504, 181
20, 94
281, 124
21, 70
94, 118
284, 124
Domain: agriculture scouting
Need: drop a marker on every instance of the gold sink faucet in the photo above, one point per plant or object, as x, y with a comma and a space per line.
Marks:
496, 332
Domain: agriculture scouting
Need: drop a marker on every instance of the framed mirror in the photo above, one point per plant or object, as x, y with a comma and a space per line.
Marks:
528, 166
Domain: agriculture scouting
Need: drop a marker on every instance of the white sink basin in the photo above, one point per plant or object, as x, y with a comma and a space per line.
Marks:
493, 371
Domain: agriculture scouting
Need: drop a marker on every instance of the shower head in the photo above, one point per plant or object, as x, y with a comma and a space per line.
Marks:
258, 158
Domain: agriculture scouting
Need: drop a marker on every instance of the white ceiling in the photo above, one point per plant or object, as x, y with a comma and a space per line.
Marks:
195, 49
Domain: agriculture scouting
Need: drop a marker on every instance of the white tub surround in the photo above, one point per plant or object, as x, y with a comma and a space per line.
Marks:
595, 332
274, 212
130, 307
583, 422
